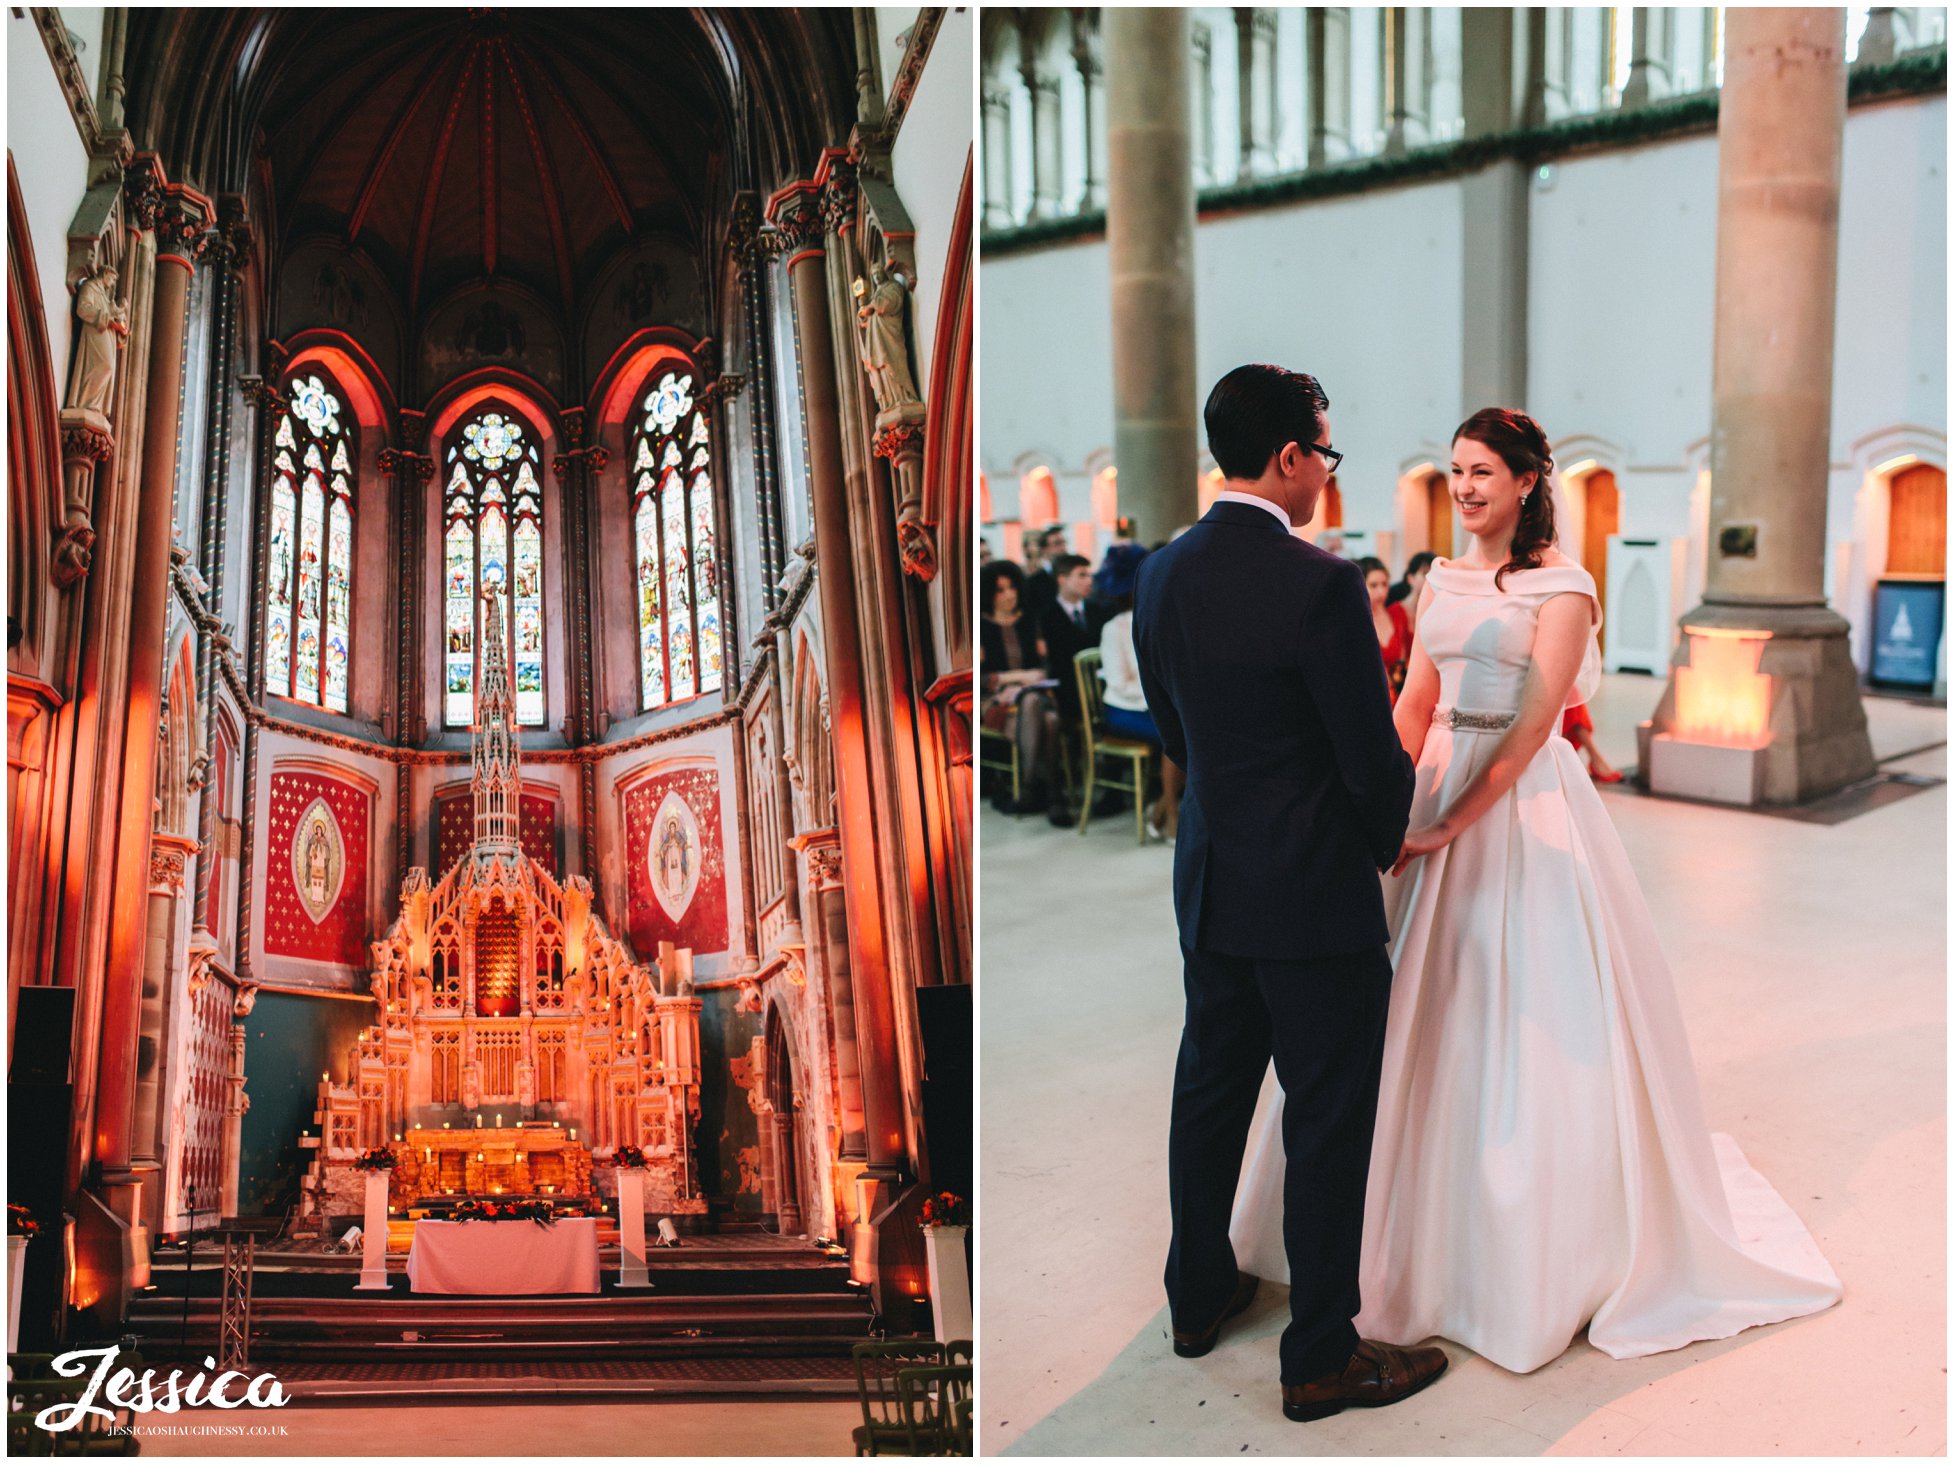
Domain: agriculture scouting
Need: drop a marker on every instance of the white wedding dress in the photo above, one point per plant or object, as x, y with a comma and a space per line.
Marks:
1542, 1160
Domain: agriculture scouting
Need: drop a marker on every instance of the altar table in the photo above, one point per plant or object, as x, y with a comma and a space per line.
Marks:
503, 1257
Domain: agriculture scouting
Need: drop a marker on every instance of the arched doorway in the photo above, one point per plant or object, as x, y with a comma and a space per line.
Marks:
1038, 499
1601, 516
1916, 528
782, 1128
1438, 510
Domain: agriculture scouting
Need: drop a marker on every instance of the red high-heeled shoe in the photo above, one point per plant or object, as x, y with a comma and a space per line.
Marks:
1613, 777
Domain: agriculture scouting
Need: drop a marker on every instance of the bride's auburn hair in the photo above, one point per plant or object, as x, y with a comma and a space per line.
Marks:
1518, 441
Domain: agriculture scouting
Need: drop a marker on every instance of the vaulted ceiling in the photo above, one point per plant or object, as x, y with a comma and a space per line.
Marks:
513, 145
526, 145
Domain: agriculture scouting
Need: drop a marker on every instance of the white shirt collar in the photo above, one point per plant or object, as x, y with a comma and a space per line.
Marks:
1228, 495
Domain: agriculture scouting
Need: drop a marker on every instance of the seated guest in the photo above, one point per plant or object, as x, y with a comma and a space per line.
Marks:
1069, 625
1126, 703
1040, 589
1017, 694
1393, 626
1406, 591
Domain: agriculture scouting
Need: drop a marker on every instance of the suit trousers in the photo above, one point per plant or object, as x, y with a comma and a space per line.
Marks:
1323, 1023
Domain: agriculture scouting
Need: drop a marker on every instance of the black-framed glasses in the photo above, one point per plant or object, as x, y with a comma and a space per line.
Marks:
1330, 454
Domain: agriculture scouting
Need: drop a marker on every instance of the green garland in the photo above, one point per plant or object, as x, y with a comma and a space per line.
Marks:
1918, 73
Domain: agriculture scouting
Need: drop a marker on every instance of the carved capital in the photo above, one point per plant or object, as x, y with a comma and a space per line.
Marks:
744, 241
796, 217
230, 243
182, 223
165, 871
263, 395
393, 461
898, 440
85, 439
724, 388
247, 998
142, 189
838, 197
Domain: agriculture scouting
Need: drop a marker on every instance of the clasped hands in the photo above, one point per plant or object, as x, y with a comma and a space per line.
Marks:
1427, 840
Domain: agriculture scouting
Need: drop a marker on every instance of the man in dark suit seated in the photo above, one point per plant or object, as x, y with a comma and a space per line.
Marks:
1040, 578
1070, 624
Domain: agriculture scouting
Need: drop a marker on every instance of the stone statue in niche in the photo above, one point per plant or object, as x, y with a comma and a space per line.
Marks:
337, 296
882, 331
104, 331
491, 330
471, 1086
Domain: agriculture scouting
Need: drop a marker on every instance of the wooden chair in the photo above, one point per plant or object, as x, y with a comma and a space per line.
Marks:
960, 1430
34, 1386
1100, 744
928, 1398
998, 762
885, 1429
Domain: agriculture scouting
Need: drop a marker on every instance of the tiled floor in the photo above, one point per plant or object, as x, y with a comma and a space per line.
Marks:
1811, 965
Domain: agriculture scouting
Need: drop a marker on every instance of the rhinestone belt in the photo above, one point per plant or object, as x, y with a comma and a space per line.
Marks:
1472, 721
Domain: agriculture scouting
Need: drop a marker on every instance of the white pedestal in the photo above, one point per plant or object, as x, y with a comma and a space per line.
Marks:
949, 1281
631, 1270
373, 1255
16, 1274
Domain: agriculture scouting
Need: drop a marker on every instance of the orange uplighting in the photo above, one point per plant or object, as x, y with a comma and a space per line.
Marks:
1722, 699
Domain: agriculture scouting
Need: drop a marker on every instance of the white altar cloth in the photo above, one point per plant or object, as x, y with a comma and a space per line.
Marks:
503, 1257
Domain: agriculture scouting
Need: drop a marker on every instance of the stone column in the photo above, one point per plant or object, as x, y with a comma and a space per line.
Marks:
1494, 205
1255, 68
996, 101
1047, 140
1649, 66
179, 216
796, 213
180, 219
1326, 31
1780, 139
230, 252
1150, 238
1395, 51
1088, 54
1200, 103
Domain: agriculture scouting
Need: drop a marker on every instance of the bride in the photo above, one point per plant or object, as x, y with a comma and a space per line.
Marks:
1542, 1161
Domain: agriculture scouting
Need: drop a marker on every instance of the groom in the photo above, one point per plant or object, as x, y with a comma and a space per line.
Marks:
1262, 670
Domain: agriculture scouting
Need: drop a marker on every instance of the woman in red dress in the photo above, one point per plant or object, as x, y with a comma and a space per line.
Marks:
1393, 626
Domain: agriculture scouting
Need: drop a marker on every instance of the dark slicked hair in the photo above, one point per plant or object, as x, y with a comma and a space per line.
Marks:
1066, 563
1255, 411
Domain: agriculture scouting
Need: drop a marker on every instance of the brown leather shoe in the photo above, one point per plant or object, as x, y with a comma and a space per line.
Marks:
1199, 1344
1376, 1374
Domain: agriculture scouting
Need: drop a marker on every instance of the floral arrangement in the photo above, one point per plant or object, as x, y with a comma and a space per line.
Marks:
21, 1221
630, 1156
375, 1159
541, 1211
944, 1208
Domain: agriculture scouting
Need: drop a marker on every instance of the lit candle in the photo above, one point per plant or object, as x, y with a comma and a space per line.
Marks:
498, 1120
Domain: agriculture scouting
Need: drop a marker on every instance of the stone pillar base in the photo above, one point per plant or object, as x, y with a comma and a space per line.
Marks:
1815, 722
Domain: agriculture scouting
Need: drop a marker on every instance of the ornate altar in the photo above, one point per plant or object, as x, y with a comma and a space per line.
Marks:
517, 1039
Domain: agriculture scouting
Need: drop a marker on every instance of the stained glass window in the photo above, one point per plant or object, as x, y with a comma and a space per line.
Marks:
309, 577
681, 642
492, 538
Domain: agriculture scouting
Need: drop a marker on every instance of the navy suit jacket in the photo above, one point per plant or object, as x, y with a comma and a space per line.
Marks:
1263, 674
